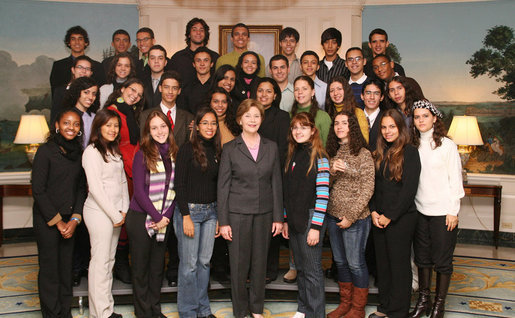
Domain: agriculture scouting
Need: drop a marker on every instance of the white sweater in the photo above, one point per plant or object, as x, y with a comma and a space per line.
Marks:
440, 187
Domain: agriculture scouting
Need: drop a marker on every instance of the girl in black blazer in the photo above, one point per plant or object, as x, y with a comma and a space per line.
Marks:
249, 206
59, 191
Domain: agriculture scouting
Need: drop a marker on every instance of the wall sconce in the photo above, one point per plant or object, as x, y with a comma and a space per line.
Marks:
464, 131
32, 130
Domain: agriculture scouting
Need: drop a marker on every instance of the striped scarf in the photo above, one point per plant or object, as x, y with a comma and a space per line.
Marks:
155, 192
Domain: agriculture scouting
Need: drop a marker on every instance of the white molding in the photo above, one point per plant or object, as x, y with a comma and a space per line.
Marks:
15, 177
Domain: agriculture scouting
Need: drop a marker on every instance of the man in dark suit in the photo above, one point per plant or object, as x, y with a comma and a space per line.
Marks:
157, 62
170, 88
77, 40
372, 96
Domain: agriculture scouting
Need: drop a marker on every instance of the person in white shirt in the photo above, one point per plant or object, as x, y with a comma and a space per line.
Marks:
279, 70
438, 197
355, 62
309, 64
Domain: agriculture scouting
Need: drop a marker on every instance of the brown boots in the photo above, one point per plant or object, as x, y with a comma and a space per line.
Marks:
345, 301
352, 302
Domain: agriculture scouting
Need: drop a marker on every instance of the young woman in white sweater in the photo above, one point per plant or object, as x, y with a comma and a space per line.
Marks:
438, 197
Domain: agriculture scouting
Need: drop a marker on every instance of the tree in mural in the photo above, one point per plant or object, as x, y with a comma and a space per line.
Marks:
497, 59
391, 51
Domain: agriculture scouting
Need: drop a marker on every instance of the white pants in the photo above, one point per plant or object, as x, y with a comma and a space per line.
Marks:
104, 239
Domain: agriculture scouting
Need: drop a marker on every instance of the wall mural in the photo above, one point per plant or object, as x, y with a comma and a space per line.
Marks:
463, 56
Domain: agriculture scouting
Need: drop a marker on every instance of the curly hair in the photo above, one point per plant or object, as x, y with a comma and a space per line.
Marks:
148, 145
76, 30
314, 104
111, 73
393, 156
356, 139
190, 25
72, 95
317, 148
413, 92
138, 107
199, 153
349, 101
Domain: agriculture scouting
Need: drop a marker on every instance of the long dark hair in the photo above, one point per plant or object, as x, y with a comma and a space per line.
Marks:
96, 138
138, 107
230, 118
277, 90
148, 145
413, 92
111, 73
349, 101
239, 70
393, 156
439, 132
73, 94
199, 152
314, 104
220, 74
317, 148
356, 139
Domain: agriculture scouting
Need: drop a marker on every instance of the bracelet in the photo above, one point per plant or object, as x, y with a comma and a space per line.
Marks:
75, 219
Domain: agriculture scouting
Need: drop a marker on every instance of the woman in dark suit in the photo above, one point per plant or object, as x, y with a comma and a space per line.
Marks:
249, 205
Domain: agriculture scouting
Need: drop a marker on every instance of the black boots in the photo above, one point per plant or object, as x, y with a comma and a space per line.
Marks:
442, 286
122, 269
423, 306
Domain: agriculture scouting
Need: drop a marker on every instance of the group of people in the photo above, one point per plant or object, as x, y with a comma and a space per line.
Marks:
201, 153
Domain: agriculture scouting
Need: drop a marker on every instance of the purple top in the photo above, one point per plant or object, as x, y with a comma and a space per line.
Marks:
140, 200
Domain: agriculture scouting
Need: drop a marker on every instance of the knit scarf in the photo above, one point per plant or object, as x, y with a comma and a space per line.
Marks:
157, 186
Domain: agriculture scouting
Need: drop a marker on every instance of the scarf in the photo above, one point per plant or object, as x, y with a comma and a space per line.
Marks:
132, 123
157, 186
71, 149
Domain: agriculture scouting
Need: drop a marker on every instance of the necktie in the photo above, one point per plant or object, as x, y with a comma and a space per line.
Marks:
368, 120
169, 115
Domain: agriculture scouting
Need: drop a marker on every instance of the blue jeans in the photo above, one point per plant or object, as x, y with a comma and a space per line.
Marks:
310, 277
195, 254
348, 246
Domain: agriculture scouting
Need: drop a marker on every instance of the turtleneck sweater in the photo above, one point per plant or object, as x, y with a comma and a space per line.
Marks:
440, 187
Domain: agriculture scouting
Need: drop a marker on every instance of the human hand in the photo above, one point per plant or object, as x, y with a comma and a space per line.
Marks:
451, 221
285, 231
277, 228
226, 232
313, 237
339, 165
217, 231
187, 226
344, 223
375, 219
383, 221
69, 229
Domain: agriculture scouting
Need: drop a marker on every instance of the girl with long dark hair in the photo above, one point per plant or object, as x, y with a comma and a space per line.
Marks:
247, 71
306, 191
438, 202
394, 214
121, 68
59, 191
402, 93
352, 179
220, 102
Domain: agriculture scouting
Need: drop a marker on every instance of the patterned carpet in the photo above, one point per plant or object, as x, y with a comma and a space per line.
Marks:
480, 288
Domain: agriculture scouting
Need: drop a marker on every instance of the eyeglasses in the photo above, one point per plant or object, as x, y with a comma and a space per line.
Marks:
83, 68
143, 40
354, 59
381, 65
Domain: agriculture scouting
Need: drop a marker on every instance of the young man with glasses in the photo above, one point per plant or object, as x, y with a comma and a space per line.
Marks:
355, 62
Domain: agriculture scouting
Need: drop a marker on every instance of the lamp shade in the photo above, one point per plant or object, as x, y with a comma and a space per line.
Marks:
464, 130
33, 129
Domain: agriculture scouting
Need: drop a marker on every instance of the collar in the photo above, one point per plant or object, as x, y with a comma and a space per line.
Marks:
360, 81
165, 109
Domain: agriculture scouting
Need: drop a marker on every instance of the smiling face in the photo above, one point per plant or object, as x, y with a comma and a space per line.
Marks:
372, 97
240, 38
249, 64
144, 41
228, 81
123, 68
330, 48
397, 93
355, 62
197, 34
87, 98
288, 45
132, 94
219, 104
251, 120
378, 44
301, 134
309, 65
69, 125
303, 93
279, 71
82, 69
341, 128
202, 63
207, 126
265, 94
170, 90
389, 129
121, 43
159, 130
109, 131
77, 44
423, 119
382, 68
336, 92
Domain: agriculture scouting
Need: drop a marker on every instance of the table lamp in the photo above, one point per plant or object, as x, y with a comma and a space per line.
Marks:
32, 131
464, 131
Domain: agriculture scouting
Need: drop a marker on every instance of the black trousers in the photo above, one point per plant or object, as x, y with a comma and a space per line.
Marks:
55, 268
248, 256
81, 251
220, 257
148, 261
173, 254
393, 254
433, 244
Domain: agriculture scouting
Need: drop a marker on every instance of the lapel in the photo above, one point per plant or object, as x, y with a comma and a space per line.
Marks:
179, 121
245, 150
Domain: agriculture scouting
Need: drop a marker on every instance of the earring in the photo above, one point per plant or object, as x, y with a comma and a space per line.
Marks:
80, 133
57, 130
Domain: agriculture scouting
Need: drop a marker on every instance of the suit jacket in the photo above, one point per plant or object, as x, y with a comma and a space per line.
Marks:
152, 98
374, 132
61, 73
246, 186
181, 131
